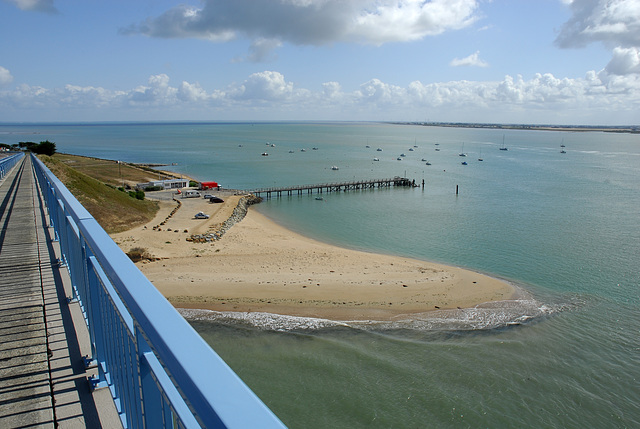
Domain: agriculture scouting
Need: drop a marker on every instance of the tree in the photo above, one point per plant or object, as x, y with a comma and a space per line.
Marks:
45, 148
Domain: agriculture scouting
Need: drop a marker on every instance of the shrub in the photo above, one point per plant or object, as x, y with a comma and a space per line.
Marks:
192, 183
137, 254
153, 188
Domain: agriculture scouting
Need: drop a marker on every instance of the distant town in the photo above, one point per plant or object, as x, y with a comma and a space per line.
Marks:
575, 128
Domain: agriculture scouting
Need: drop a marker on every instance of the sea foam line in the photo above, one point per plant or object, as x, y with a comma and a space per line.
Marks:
490, 315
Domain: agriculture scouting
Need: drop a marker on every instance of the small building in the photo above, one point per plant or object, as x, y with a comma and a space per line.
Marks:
165, 184
208, 185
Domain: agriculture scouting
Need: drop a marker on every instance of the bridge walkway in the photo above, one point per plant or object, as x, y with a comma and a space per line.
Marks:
43, 380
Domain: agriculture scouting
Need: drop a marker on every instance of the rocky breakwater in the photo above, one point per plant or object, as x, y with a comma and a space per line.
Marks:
176, 208
238, 214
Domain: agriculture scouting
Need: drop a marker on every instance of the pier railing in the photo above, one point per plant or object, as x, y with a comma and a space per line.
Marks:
9, 161
160, 372
333, 186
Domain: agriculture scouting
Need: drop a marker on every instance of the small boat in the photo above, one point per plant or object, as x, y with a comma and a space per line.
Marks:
410, 149
319, 198
290, 151
437, 149
480, 157
424, 159
239, 145
268, 144
503, 146
462, 152
334, 167
563, 151
273, 145
265, 154
464, 163
376, 159
399, 158
314, 148
379, 150
303, 150
367, 146
428, 163
402, 155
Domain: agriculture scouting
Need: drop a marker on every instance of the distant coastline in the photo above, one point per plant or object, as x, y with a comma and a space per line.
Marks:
633, 129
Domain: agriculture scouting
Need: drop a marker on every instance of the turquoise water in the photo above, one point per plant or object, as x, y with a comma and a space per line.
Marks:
564, 227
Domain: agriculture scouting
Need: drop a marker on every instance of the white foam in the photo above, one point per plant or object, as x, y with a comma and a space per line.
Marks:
491, 315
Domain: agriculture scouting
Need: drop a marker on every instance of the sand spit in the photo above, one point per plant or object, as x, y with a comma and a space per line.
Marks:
259, 266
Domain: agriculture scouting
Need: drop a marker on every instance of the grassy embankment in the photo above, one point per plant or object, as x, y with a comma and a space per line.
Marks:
94, 183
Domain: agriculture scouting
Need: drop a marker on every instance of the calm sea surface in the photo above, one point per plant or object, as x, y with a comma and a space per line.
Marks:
563, 227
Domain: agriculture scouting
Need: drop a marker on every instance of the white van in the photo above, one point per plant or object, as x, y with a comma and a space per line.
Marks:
191, 194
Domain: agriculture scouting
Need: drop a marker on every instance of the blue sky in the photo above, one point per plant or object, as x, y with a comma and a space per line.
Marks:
509, 61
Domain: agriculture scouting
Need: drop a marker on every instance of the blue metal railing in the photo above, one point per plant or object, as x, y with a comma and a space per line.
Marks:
161, 373
8, 162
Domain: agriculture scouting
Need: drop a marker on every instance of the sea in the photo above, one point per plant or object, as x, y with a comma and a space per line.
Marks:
564, 228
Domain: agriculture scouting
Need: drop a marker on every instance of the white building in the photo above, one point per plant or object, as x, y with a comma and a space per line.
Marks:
165, 184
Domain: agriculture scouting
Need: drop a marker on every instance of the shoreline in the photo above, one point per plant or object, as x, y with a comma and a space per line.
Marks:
260, 266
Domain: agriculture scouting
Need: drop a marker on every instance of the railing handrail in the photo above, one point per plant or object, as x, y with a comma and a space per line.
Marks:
216, 396
9, 161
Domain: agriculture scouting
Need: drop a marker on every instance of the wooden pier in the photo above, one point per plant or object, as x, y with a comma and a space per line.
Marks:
334, 187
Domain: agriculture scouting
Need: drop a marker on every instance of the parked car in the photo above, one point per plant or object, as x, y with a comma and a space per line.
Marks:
208, 196
215, 199
201, 215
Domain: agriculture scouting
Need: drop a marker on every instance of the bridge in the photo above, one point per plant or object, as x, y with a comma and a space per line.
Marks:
87, 340
334, 187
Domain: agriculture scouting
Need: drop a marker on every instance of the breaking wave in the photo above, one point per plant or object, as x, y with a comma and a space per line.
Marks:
492, 315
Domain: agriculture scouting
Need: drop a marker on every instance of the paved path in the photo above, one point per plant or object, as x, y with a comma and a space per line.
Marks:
43, 382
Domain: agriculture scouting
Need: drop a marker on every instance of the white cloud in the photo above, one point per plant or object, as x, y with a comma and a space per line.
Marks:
261, 50
613, 22
331, 89
603, 97
312, 22
5, 76
267, 85
472, 60
625, 61
35, 5
157, 92
379, 92
192, 92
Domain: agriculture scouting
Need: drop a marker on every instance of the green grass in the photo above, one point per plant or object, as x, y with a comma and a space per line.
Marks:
114, 210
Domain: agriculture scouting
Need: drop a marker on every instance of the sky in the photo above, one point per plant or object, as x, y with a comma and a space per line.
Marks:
487, 61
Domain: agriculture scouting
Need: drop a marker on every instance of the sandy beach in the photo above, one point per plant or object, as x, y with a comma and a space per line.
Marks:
260, 266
